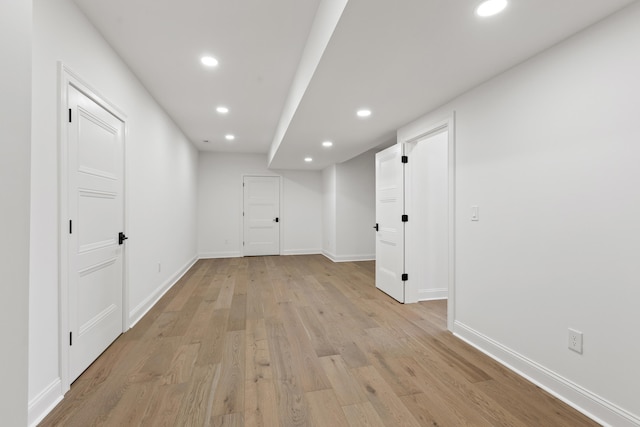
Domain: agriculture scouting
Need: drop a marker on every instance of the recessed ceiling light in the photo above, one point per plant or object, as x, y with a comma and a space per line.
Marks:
209, 61
327, 144
222, 110
491, 7
308, 159
229, 137
363, 113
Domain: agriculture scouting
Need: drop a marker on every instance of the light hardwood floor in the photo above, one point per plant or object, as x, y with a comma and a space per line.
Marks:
298, 341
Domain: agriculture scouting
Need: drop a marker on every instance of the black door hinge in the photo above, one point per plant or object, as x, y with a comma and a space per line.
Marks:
405, 159
70, 338
376, 227
405, 218
70, 227
69, 115
405, 277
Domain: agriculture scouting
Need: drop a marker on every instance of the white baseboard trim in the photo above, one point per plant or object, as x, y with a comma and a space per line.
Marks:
329, 255
301, 251
348, 258
141, 309
432, 294
585, 401
215, 255
44, 402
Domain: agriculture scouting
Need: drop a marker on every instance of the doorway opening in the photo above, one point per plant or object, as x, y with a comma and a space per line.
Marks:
415, 215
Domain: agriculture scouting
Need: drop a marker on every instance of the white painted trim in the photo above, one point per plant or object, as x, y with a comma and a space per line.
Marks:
44, 402
213, 255
66, 78
329, 255
349, 258
451, 307
147, 304
432, 294
583, 400
302, 252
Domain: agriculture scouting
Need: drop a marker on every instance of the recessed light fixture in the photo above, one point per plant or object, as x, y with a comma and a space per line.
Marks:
229, 137
490, 7
308, 159
327, 144
209, 61
363, 113
222, 110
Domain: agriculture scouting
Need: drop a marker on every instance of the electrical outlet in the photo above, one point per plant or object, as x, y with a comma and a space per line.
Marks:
159, 267
575, 340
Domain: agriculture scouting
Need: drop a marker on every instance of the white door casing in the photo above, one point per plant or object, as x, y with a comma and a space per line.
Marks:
92, 270
261, 215
390, 232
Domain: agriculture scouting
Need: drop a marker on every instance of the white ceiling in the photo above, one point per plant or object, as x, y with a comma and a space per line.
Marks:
399, 58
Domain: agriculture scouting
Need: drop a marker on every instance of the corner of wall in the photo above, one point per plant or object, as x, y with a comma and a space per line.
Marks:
147, 304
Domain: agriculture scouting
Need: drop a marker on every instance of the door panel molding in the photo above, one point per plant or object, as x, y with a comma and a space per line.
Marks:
69, 79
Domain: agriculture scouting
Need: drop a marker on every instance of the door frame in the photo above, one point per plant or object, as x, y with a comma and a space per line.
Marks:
413, 134
280, 208
67, 78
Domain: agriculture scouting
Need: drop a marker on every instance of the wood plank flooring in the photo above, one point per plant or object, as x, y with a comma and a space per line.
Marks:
298, 341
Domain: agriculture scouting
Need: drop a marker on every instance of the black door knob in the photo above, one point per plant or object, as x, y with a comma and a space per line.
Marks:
121, 238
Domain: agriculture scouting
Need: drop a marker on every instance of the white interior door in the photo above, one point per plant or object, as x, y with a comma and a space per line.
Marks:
261, 215
96, 210
390, 228
427, 201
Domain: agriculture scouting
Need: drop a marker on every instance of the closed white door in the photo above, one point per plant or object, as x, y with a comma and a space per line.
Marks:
390, 228
96, 210
261, 215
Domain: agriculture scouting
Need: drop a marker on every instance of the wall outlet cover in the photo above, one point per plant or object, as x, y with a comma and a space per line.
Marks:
575, 340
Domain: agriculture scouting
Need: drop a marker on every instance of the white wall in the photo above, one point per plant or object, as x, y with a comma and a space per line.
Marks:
349, 209
220, 205
15, 134
549, 152
160, 189
356, 207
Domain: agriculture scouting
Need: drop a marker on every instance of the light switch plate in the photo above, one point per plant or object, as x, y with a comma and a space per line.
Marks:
475, 213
